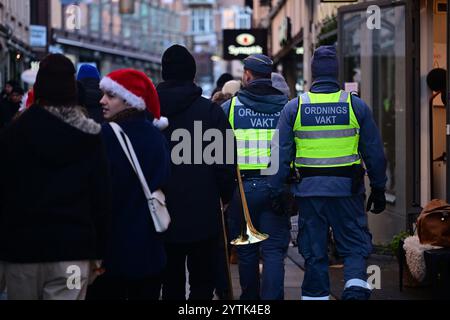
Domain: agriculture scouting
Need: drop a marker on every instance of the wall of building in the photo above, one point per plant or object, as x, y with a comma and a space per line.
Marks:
16, 14
15, 52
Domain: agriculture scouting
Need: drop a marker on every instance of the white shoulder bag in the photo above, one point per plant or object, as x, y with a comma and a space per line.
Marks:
156, 200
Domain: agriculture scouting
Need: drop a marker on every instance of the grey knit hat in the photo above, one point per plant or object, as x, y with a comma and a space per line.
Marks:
278, 82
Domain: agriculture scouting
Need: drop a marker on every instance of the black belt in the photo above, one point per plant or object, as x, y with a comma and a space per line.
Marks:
251, 174
355, 172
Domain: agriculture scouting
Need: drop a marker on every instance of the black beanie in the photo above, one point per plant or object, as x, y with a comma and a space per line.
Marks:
224, 78
178, 64
55, 82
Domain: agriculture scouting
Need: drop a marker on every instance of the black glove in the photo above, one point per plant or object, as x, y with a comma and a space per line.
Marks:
378, 199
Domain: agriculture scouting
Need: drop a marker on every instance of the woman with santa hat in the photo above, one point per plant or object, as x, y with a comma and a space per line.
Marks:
135, 256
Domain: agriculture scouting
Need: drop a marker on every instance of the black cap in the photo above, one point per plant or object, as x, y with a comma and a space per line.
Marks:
178, 64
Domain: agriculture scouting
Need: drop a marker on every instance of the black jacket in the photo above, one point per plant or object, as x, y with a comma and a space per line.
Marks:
54, 190
8, 110
194, 190
92, 97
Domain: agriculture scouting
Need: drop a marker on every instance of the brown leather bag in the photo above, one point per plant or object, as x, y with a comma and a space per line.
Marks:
433, 224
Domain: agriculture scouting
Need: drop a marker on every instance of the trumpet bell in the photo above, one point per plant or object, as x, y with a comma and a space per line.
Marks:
252, 236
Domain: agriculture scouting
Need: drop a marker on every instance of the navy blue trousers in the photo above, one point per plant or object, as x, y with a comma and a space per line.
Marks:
347, 218
270, 286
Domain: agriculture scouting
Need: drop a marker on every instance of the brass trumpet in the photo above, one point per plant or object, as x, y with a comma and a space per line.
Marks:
249, 234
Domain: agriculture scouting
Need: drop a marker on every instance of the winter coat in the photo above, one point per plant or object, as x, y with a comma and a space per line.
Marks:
54, 187
8, 110
134, 249
370, 148
259, 96
92, 97
194, 190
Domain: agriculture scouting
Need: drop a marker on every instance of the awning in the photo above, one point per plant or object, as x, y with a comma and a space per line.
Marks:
118, 52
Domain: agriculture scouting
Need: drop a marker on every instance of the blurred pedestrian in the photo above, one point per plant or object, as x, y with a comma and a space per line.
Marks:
195, 189
89, 77
222, 291
135, 256
9, 86
228, 91
224, 78
232, 87
279, 83
10, 106
220, 97
53, 157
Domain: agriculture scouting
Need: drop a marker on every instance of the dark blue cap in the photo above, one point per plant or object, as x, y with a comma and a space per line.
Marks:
259, 63
325, 63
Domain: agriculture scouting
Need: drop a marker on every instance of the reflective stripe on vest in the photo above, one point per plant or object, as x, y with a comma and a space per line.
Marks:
328, 134
253, 145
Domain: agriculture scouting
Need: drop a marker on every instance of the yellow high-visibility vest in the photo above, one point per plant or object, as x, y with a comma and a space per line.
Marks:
326, 131
253, 145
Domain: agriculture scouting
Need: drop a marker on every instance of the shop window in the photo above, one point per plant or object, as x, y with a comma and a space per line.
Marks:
94, 17
375, 59
201, 20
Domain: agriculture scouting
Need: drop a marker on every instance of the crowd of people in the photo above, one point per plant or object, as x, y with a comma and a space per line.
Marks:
71, 200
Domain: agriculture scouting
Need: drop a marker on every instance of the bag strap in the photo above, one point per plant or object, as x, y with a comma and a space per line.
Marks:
128, 149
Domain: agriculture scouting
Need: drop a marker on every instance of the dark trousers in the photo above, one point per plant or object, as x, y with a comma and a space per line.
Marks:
348, 220
199, 257
115, 288
221, 261
273, 251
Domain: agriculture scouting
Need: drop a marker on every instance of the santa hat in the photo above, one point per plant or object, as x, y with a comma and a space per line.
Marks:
137, 90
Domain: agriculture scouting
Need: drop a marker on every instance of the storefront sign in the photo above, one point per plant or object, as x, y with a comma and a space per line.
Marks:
240, 43
38, 36
55, 49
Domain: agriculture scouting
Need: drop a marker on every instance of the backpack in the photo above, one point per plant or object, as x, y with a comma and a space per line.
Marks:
433, 224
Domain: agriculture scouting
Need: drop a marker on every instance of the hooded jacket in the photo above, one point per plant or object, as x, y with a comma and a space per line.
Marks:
54, 188
195, 188
261, 97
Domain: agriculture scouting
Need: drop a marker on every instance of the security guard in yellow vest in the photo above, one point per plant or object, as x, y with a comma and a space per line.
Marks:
254, 115
328, 133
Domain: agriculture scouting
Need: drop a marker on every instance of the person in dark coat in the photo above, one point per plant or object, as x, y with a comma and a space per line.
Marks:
224, 78
135, 255
89, 77
10, 106
195, 189
9, 86
54, 191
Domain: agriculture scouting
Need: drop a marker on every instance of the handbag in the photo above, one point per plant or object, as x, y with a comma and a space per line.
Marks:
156, 201
433, 224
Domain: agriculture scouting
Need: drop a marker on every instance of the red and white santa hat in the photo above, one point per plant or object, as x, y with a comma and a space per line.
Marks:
137, 90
